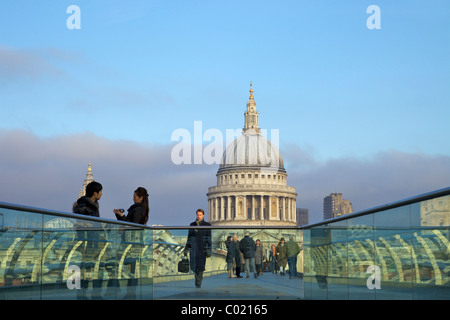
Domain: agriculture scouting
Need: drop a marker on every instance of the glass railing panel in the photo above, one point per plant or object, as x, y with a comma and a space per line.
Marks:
46, 256
430, 248
317, 275
307, 264
79, 259
361, 252
20, 249
337, 275
228, 274
145, 266
116, 262
133, 264
59, 257
393, 265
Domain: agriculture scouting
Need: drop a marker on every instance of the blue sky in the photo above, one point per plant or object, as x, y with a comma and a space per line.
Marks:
138, 70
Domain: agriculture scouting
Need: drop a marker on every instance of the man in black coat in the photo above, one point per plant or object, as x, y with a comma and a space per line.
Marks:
88, 204
199, 245
88, 231
248, 247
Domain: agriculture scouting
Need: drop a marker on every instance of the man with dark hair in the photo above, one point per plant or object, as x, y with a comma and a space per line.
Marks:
199, 246
88, 204
89, 232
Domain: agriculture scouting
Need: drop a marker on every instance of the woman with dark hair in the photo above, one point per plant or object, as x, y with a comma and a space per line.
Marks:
138, 212
230, 255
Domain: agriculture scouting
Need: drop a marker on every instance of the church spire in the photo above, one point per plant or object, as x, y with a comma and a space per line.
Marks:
89, 178
251, 114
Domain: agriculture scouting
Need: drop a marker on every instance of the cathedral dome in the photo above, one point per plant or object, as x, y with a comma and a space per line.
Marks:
252, 181
252, 151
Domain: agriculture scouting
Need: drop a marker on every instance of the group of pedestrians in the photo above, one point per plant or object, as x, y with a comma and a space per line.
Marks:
246, 252
249, 253
285, 253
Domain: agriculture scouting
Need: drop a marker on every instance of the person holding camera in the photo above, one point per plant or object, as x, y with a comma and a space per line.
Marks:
138, 212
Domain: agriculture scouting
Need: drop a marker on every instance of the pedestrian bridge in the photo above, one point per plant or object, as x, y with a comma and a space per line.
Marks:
396, 251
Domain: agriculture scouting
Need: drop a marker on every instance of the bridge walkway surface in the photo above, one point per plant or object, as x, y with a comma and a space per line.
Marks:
268, 286
215, 287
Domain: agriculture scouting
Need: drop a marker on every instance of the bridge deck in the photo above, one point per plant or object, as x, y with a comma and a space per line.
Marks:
267, 286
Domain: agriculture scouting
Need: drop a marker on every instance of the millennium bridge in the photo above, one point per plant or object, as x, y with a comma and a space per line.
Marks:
399, 250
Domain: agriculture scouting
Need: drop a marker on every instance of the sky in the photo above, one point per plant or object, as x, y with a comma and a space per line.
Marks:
359, 110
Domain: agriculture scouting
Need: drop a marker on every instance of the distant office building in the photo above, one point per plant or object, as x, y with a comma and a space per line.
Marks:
334, 206
302, 217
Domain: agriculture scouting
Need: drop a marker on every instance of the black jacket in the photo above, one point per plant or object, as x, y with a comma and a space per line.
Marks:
86, 206
247, 247
199, 245
135, 214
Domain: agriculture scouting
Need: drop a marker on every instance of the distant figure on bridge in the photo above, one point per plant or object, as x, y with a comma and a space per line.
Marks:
273, 266
292, 251
237, 257
281, 256
259, 257
231, 252
199, 245
248, 248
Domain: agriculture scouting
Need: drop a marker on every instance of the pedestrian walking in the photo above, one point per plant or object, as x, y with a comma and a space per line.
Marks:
237, 257
292, 251
281, 257
231, 251
199, 246
259, 257
273, 259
